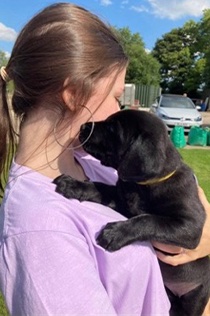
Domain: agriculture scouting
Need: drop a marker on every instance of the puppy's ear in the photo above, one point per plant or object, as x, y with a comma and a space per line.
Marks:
144, 160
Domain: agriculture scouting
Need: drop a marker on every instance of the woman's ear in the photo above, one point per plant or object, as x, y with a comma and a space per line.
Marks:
68, 99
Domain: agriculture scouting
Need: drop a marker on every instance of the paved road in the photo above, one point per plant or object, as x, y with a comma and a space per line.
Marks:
206, 118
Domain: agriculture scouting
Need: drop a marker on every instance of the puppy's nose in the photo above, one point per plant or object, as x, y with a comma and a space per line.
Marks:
86, 126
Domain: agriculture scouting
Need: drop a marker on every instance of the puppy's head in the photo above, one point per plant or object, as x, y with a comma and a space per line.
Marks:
135, 143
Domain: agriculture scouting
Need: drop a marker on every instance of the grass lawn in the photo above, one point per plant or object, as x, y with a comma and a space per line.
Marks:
198, 160
3, 310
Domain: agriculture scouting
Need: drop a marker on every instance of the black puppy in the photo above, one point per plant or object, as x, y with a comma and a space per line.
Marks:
156, 191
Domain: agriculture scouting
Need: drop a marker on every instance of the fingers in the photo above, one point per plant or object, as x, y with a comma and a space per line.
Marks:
178, 255
206, 312
202, 196
167, 248
181, 258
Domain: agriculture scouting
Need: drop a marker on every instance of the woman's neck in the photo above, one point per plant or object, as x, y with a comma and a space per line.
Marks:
39, 150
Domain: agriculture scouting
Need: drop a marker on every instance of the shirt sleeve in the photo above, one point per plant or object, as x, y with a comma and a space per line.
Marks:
53, 274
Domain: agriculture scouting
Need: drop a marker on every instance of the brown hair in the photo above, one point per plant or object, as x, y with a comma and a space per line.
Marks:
62, 41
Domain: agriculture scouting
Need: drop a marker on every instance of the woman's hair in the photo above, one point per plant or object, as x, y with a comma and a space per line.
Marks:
64, 43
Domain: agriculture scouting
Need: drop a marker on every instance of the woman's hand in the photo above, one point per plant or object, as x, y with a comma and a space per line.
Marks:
187, 255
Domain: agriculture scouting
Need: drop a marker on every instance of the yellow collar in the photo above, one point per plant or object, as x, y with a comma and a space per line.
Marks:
153, 181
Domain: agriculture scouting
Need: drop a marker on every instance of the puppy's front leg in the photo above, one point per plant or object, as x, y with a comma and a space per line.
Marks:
116, 235
147, 227
87, 191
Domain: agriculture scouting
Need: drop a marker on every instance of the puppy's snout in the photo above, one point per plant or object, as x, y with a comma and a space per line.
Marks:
85, 131
86, 126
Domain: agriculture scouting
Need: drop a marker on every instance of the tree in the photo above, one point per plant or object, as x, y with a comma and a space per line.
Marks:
3, 59
3, 62
204, 46
143, 67
181, 64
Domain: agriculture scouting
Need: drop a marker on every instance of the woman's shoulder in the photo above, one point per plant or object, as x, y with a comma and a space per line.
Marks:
31, 204
40, 223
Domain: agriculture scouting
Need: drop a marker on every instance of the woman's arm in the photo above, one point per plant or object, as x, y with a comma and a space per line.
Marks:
52, 273
186, 255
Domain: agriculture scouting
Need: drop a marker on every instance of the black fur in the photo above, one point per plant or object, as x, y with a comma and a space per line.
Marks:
137, 145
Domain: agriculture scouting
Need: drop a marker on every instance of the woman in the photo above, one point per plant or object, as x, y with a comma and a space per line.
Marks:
67, 67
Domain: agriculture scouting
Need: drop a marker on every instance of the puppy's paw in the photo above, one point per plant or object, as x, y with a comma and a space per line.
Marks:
67, 186
112, 237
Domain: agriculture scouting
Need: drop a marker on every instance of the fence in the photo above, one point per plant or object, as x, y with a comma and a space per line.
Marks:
146, 94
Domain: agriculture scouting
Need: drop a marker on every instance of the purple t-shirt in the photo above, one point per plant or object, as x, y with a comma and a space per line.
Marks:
50, 263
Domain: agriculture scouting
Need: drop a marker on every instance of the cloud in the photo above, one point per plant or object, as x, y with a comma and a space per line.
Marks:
105, 2
7, 34
174, 9
140, 8
124, 3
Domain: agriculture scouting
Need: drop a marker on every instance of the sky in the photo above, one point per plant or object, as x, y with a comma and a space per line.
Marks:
150, 18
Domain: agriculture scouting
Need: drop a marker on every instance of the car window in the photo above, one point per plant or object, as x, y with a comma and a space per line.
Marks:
176, 102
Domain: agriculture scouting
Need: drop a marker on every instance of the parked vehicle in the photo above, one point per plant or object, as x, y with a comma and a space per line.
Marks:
177, 110
197, 102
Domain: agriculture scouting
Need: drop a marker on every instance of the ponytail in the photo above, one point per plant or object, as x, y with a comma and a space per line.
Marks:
7, 135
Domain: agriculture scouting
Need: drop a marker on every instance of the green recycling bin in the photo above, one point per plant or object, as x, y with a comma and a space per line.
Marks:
177, 136
197, 136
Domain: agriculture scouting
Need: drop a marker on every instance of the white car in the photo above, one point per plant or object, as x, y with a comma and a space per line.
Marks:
177, 110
